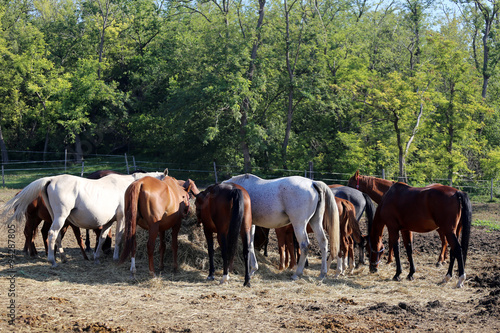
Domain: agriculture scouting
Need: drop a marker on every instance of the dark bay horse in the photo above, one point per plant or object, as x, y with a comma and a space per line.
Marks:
155, 205
422, 209
376, 188
225, 209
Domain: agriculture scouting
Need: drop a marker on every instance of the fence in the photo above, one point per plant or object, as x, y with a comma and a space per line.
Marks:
24, 167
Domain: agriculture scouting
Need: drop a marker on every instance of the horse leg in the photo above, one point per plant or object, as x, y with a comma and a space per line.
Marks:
407, 241
162, 250
394, 245
153, 233
281, 236
222, 238
317, 226
303, 240
455, 253
290, 249
175, 244
87, 241
444, 247
79, 240
53, 234
120, 228
254, 265
352, 263
45, 235
209, 236
245, 239
102, 238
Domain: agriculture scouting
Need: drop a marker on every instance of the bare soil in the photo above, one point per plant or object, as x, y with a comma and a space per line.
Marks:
81, 296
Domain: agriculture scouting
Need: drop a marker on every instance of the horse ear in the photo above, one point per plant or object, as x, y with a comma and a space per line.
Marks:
356, 174
165, 172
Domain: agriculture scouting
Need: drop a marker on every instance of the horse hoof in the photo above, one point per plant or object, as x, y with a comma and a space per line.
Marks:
247, 284
54, 265
295, 277
210, 278
439, 264
97, 262
446, 278
410, 278
396, 278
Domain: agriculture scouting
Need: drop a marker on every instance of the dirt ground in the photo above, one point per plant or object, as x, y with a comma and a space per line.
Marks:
81, 296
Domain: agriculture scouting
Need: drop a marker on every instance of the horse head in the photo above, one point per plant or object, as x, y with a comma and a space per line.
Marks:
375, 256
354, 180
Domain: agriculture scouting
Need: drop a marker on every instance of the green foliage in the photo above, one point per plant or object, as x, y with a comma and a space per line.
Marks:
373, 87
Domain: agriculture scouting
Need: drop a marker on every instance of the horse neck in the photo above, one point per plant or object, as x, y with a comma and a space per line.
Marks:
376, 187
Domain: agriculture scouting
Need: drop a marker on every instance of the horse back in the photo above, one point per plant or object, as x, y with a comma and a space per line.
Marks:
433, 206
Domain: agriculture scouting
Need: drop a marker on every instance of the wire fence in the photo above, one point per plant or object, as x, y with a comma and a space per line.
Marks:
24, 167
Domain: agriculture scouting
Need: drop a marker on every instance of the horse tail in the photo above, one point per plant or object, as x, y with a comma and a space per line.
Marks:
237, 214
131, 213
353, 222
466, 220
20, 202
370, 211
331, 219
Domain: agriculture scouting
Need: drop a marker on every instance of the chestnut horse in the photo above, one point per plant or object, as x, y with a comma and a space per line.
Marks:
422, 209
349, 229
225, 209
155, 205
376, 188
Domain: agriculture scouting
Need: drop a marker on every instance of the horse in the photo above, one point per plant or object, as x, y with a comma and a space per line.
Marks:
296, 200
376, 188
35, 214
349, 228
422, 209
155, 205
225, 209
87, 203
362, 204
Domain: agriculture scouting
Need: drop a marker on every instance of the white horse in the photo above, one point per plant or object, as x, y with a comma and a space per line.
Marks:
86, 203
296, 200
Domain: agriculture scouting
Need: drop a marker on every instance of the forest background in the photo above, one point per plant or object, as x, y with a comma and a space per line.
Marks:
408, 86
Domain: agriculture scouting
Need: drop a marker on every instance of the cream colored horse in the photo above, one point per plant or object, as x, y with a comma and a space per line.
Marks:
86, 203
296, 200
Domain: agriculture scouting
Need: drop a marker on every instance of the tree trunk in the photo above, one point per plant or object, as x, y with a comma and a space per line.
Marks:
3, 147
245, 105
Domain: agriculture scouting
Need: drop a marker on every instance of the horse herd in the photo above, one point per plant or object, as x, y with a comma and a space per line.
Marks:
293, 206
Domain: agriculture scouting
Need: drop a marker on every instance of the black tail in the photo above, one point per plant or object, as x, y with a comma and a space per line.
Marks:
370, 212
466, 221
237, 214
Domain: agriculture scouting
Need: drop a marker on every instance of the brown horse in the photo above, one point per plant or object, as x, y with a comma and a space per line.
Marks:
376, 188
155, 205
349, 229
225, 209
422, 209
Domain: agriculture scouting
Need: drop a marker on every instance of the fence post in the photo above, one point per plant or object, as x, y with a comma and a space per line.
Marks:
126, 163
3, 177
83, 167
215, 172
65, 158
491, 187
383, 173
135, 166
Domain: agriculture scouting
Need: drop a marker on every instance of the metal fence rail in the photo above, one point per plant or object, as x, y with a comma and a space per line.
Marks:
18, 173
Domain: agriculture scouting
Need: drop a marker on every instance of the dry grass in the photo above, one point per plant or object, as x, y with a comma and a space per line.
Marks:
82, 296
